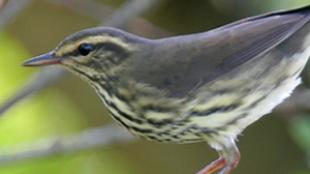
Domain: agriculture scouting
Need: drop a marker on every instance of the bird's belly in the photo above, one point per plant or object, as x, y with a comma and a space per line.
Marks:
252, 92
164, 128
150, 116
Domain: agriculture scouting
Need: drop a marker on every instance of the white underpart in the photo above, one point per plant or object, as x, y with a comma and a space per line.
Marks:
281, 93
265, 106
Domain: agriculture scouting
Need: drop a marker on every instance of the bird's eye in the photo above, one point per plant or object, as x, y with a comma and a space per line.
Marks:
85, 49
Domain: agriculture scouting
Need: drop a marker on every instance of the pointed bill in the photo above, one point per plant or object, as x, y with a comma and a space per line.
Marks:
42, 60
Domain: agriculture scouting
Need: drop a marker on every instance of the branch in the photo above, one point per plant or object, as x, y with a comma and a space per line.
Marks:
11, 10
2, 3
129, 10
98, 12
37, 82
91, 138
89, 8
47, 76
103, 136
298, 102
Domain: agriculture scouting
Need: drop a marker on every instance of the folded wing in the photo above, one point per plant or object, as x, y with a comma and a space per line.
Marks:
194, 60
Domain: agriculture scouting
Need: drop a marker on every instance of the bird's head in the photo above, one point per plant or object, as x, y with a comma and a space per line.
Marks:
92, 51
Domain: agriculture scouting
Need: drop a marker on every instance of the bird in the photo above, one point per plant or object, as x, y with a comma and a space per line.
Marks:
200, 87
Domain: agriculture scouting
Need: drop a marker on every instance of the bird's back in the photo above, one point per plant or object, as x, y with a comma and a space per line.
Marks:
191, 61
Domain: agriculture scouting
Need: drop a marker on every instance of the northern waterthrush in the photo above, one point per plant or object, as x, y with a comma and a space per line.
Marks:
200, 87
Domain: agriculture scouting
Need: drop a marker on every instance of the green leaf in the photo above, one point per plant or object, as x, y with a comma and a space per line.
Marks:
300, 131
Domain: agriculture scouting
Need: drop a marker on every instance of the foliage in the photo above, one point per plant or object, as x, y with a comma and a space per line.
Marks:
45, 115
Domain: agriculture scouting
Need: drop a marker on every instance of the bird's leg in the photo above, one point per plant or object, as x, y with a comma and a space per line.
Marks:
213, 167
231, 155
228, 160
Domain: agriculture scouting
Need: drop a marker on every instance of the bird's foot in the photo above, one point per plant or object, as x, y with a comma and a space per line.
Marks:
213, 167
228, 160
219, 165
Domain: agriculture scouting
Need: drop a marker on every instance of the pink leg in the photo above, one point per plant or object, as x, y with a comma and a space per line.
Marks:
229, 167
213, 167
228, 160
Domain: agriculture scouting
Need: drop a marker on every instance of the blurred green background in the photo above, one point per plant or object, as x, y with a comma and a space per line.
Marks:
277, 144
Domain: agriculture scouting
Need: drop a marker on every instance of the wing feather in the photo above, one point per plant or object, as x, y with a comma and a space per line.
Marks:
189, 61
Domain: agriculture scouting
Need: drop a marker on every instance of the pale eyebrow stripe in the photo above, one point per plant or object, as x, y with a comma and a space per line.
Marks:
64, 50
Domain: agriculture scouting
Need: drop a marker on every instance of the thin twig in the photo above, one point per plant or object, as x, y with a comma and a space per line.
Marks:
89, 139
2, 3
299, 101
46, 76
100, 12
90, 8
129, 10
11, 10
103, 136
35, 83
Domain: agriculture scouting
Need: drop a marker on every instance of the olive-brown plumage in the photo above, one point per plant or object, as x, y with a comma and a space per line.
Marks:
200, 87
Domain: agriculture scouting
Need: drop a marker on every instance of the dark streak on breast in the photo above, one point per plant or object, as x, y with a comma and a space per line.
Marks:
215, 109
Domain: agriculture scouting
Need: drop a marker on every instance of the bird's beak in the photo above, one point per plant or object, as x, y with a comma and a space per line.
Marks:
42, 60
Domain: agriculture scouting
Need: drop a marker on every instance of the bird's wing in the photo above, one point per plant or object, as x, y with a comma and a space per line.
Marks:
193, 60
